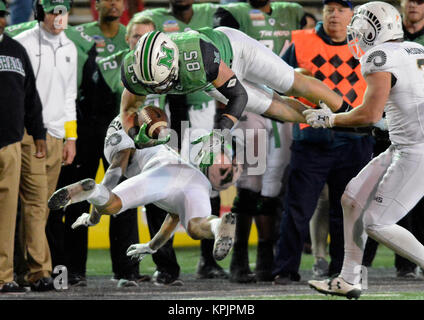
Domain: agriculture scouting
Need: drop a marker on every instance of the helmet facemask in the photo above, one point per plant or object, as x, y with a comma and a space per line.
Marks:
361, 35
372, 24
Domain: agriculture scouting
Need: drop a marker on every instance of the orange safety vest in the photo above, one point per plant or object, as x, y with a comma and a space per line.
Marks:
332, 64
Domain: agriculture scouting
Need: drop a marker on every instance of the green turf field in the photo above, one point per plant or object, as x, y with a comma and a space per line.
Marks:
99, 262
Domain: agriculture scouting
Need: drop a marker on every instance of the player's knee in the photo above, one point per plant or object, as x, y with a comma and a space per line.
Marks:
113, 206
192, 230
349, 204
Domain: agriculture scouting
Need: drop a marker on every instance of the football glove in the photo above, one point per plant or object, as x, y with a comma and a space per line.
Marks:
139, 251
320, 118
83, 220
211, 145
142, 140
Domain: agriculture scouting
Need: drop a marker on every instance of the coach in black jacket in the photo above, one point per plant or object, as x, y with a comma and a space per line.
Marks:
20, 107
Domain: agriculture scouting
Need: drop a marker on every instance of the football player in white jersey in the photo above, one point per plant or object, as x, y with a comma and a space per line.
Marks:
392, 183
156, 175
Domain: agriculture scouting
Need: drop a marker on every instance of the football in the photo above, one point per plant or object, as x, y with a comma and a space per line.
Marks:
156, 120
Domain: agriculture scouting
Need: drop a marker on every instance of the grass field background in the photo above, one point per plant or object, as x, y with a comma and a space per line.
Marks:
99, 262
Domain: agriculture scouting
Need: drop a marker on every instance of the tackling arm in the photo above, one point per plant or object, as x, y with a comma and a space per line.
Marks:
315, 91
372, 108
165, 232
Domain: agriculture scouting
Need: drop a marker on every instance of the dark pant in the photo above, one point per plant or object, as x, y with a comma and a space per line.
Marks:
311, 166
68, 246
164, 258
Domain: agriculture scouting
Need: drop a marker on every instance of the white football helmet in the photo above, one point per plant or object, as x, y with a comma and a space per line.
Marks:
156, 61
373, 23
224, 172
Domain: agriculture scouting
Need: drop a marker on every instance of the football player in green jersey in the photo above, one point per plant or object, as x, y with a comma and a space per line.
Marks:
257, 195
186, 62
107, 32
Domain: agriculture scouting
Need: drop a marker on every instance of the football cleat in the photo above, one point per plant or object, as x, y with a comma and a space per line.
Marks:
77, 192
224, 240
336, 286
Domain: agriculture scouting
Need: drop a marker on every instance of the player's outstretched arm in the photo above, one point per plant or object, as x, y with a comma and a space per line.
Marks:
129, 106
315, 91
372, 108
286, 109
138, 251
367, 114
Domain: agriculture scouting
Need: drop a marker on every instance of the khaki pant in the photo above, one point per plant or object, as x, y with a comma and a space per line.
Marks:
10, 167
38, 181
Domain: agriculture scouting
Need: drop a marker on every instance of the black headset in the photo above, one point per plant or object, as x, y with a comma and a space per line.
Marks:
39, 11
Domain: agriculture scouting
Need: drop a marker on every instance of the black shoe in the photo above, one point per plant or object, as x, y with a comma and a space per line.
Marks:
264, 275
242, 276
77, 280
210, 270
284, 279
138, 278
164, 278
43, 284
406, 274
12, 288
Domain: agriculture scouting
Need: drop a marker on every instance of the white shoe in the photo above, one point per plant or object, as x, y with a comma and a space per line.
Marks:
77, 192
336, 286
224, 240
124, 283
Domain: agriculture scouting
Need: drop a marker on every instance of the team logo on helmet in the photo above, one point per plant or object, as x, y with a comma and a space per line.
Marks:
168, 57
373, 22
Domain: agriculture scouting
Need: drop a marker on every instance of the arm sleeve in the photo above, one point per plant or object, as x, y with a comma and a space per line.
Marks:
33, 108
236, 94
211, 59
223, 18
71, 96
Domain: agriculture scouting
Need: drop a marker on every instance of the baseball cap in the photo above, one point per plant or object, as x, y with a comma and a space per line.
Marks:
50, 5
3, 7
344, 3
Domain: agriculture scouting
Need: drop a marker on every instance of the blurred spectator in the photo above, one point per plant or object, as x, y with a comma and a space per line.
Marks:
321, 156
20, 107
257, 195
131, 8
96, 107
20, 11
54, 59
308, 21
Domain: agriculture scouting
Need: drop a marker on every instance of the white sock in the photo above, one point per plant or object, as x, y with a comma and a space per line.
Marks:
215, 225
100, 195
354, 239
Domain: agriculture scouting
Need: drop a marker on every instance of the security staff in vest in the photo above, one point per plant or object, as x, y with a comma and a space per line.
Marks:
20, 107
321, 156
54, 61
